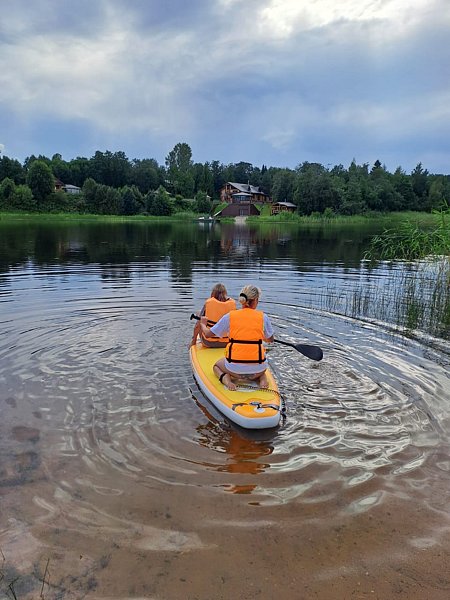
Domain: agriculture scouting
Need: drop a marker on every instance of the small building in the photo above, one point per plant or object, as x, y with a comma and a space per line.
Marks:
71, 189
279, 207
59, 186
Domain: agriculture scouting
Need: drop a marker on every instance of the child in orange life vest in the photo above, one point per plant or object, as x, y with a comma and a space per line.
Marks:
247, 329
215, 307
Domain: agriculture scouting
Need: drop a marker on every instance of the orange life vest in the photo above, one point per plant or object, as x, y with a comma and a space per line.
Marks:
246, 336
214, 311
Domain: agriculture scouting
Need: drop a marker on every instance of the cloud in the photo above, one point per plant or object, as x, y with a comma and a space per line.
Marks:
284, 18
239, 80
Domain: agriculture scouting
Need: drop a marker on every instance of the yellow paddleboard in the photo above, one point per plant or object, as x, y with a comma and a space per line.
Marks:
248, 406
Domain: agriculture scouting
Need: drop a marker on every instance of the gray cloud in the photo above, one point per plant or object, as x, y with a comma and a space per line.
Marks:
273, 81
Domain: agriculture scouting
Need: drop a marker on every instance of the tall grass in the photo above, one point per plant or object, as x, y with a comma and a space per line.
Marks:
416, 298
330, 219
78, 217
411, 241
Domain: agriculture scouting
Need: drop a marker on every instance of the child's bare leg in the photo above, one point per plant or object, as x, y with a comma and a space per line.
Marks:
219, 370
263, 382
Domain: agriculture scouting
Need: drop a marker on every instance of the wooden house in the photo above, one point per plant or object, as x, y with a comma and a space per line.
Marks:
278, 207
66, 187
242, 199
59, 186
237, 192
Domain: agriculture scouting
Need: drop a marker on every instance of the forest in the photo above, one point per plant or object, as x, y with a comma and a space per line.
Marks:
113, 184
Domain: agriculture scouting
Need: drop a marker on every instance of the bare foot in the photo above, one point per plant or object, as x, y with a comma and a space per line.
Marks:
263, 382
228, 382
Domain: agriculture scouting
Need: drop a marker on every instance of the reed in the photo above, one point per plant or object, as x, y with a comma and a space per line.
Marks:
331, 219
411, 241
416, 298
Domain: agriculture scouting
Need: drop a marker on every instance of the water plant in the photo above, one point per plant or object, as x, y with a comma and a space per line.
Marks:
417, 298
411, 241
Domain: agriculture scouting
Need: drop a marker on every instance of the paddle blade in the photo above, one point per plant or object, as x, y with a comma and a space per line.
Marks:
312, 352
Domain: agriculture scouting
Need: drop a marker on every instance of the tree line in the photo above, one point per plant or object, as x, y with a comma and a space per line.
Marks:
113, 184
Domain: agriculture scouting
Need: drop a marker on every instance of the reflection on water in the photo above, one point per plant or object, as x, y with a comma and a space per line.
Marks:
244, 450
113, 465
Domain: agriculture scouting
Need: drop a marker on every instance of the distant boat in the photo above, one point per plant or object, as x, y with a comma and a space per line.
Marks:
206, 220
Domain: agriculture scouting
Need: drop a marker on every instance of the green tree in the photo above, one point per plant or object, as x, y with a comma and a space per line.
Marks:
110, 168
132, 200
243, 172
57, 202
219, 178
144, 174
420, 184
314, 189
89, 190
112, 203
23, 198
61, 169
267, 179
180, 170
439, 192
161, 203
40, 180
283, 185
378, 171
202, 202
352, 201
403, 186
9, 167
7, 189
203, 178
79, 168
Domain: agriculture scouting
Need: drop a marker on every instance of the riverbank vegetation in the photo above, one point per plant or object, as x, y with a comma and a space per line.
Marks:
418, 299
409, 241
110, 183
419, 296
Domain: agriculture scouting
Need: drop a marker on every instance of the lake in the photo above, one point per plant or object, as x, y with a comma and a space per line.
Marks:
119, 480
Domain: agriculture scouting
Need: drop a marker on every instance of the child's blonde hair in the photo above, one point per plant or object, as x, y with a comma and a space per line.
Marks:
248, 294
219, 292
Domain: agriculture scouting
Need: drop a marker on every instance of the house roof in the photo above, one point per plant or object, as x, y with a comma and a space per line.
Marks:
286, 204
246, 187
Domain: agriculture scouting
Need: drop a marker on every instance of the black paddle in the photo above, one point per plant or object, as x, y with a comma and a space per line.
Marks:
312, 352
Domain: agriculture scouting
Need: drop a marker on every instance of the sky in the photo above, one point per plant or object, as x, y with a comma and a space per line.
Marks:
273, 82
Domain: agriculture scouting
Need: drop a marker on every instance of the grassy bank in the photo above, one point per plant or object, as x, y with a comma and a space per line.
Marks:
410, 241
422, 219
75, 217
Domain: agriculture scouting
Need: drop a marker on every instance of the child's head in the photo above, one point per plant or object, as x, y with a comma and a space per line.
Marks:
248, 295
219, 292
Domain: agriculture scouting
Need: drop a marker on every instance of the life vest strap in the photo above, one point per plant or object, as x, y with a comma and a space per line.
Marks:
234, 360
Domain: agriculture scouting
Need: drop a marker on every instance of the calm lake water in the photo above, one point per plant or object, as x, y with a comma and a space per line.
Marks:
118, 480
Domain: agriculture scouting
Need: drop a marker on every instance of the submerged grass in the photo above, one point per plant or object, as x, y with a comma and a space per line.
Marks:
418, 295
417, 298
